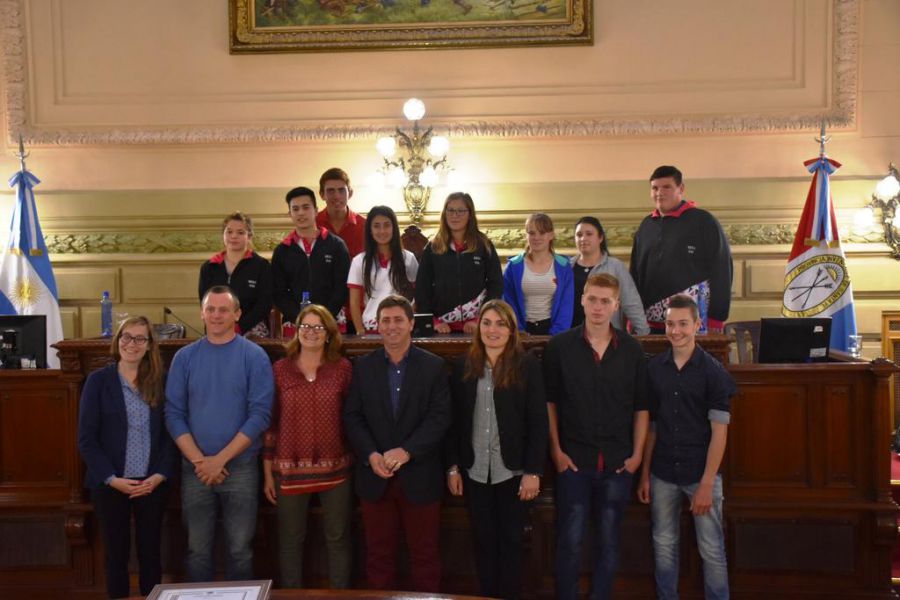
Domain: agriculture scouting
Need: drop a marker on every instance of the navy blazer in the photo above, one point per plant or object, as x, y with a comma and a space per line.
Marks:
423, 418
521, 419
103, 430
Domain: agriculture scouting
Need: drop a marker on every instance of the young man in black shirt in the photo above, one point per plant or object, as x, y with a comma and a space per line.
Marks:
310, 259
597, 404
690, 405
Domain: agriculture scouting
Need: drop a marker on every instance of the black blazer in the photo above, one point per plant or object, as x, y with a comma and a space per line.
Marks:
422, 420
103, 430
521, 419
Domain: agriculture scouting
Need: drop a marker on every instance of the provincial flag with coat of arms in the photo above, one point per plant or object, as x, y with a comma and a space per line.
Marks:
816, 280
27, 285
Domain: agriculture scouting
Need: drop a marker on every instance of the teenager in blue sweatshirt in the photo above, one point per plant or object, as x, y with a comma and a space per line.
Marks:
538, 283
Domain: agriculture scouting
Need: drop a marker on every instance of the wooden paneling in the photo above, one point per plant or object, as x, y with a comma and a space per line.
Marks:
770, 452
824, 546
840, 465
890, 347
39, 460
33, 541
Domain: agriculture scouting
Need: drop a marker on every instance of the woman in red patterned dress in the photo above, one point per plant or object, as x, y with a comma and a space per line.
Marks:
305, 451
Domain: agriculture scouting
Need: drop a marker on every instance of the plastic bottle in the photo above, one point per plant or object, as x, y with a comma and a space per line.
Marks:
304, 301
106, 316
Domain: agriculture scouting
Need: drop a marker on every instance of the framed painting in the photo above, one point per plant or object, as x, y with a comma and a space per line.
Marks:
335, 25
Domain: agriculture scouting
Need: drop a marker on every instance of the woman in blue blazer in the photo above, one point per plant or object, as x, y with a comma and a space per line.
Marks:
538, 283
128, 452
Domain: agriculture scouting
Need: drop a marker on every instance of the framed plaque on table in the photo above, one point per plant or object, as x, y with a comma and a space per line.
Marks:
226, 590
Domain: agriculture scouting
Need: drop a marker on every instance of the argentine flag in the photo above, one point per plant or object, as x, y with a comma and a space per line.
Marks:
27, 285
816, 279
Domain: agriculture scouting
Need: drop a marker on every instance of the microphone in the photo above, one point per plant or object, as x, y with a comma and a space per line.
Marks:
169, 311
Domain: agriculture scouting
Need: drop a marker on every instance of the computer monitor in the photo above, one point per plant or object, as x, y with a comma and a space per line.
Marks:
23, 337
794, 340
423, 325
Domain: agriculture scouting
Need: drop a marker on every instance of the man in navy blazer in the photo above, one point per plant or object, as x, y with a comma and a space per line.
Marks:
395, 416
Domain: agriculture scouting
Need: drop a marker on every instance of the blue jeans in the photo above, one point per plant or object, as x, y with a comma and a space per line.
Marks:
237, 497
579, 495
666, 501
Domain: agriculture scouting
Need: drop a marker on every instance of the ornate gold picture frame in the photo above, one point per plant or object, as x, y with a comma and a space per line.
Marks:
336, 25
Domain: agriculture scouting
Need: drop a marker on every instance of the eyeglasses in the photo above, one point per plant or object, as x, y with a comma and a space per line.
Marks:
316, 328
139, 340
457, 212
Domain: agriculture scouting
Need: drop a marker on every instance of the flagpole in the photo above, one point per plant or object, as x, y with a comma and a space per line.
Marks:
822, 139
22, 154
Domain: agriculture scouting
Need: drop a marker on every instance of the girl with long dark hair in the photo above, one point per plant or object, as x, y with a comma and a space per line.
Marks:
384, 268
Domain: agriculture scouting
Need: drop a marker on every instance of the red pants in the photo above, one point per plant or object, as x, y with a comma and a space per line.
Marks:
421, 522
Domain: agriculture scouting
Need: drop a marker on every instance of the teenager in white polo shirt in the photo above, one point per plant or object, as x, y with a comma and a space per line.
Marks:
382, 269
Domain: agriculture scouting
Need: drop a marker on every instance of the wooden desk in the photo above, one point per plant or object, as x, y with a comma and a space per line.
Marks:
807, 487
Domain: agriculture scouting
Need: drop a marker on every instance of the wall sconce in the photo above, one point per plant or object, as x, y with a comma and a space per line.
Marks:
422, 157
886, 198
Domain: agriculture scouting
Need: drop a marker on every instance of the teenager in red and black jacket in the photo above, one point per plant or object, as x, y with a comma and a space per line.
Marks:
310, 259
459, 270
248, 274
681, 249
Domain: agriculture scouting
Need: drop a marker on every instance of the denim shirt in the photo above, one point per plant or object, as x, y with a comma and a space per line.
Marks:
137, 444
683, 404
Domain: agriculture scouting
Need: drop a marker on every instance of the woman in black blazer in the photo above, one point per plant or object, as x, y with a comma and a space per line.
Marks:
497, 447
128, 452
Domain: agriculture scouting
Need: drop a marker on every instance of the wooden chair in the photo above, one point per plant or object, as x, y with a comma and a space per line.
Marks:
414, 241
746, 338
275, 323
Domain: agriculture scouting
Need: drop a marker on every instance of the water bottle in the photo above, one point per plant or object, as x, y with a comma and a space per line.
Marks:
106, 316
288, 329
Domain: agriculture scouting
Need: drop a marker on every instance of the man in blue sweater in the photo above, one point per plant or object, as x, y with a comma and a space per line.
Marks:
219, 396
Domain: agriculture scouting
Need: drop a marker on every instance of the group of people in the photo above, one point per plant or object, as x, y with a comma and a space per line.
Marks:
348, 263
393, 427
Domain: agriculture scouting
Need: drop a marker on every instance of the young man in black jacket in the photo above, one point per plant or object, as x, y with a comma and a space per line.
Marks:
680, 249
310, 259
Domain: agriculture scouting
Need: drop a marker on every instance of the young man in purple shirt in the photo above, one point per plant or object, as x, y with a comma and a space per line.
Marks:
690, 408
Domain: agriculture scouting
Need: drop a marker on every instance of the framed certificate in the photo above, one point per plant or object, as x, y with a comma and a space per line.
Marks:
230, 590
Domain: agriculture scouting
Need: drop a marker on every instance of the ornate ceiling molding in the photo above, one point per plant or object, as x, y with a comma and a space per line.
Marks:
842, 113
